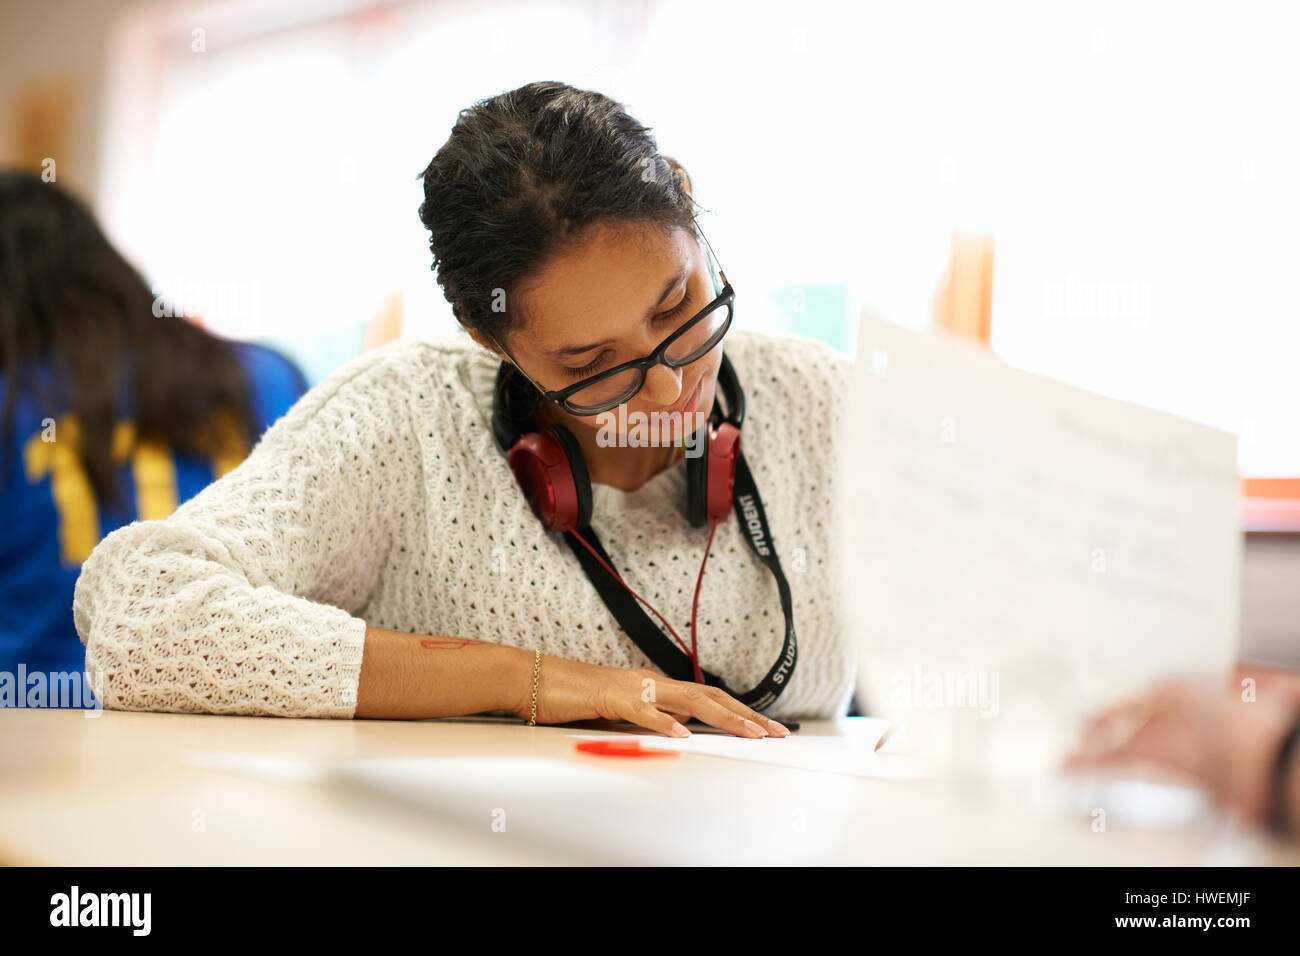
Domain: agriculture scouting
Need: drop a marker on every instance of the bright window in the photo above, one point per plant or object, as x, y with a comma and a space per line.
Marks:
1135, 164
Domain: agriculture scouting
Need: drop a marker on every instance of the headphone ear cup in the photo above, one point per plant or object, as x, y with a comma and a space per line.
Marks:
722, 452
544, 474
697, 482
581, 480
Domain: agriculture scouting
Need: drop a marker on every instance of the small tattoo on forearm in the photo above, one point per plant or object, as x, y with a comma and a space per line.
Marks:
446, 644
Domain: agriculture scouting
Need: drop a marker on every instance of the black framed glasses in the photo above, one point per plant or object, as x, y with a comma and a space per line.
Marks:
694, 339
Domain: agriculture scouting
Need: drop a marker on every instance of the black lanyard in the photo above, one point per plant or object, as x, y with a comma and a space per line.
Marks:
662, 652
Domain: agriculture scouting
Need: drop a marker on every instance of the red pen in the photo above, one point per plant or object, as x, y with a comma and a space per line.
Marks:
622, 748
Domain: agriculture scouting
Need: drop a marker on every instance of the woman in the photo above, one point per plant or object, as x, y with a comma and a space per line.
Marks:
376, 555
111, 413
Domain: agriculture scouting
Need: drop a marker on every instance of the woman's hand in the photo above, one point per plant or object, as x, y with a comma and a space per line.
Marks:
1200, 728
571, 690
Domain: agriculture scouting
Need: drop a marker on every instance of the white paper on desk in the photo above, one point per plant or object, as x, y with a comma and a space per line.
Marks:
1061, 547
586, 814
491, 777
851, 754
291, 768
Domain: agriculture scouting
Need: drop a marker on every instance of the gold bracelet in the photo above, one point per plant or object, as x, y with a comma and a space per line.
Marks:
537, 666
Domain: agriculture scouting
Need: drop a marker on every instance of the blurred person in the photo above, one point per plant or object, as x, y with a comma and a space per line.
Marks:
1241, 746
392, 548
111, 413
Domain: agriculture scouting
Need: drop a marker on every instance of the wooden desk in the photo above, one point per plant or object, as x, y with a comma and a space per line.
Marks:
151, 789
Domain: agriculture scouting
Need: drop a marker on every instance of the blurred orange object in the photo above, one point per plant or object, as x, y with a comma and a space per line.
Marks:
1270, 505
964, 305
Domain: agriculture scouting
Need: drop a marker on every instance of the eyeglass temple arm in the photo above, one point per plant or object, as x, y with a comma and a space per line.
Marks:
513, 362
721, 272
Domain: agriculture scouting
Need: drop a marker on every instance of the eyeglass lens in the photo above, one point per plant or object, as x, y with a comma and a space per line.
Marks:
700, 339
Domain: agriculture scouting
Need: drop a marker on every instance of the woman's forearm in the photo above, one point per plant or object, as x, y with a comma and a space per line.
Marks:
415, 676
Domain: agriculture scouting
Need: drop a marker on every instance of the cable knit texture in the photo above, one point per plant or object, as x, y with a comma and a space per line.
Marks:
381, 499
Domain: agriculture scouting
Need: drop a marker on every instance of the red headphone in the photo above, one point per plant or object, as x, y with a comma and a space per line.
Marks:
549, 467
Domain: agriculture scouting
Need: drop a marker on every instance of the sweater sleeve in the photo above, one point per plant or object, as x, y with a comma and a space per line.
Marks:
243, 600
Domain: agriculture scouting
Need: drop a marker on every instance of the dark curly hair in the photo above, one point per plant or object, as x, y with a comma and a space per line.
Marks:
521, 178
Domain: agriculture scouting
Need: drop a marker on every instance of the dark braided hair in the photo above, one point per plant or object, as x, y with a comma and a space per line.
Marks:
521, 178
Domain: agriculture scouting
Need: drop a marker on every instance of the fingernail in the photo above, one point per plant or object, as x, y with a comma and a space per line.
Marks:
779, 727
679, 730
755, 728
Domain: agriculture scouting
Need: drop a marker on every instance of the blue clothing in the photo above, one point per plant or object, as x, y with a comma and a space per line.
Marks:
45, 537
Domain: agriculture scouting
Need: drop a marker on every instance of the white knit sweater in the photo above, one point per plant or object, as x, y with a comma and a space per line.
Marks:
381, 499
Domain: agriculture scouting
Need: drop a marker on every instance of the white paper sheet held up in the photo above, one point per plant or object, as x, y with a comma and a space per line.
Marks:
1062, 547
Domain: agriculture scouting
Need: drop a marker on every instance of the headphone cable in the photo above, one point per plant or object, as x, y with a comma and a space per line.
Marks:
691, 651
695, 604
